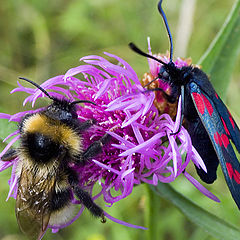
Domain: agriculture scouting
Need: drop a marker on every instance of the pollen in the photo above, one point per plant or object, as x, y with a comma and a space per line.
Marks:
160, 102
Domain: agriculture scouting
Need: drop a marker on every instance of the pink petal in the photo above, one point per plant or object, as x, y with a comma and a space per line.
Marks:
200, 187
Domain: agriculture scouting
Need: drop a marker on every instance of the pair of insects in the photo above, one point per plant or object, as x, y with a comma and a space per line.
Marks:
51, 141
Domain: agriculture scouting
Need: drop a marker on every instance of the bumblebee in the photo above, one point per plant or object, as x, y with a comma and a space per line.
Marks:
50, 144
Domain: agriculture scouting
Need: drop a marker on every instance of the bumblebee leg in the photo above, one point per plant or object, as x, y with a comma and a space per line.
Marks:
9, 155
84, 196
96, 147
87, 201
87, 124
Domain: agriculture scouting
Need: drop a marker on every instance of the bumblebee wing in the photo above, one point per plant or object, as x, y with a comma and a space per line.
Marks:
33, 203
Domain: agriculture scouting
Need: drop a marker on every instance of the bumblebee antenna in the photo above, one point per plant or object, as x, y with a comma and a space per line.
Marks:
52, 98
139, 51
167, 27
38, 86
82, 101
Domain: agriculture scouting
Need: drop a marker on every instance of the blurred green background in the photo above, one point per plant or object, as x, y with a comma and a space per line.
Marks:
42, 39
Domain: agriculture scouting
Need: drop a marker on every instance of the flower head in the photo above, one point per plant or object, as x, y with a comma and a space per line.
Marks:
142, 148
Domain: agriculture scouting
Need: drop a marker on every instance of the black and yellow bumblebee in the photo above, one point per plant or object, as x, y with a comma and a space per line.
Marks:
50, 143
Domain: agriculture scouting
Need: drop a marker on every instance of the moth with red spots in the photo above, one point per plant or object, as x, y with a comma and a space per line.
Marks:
209, 122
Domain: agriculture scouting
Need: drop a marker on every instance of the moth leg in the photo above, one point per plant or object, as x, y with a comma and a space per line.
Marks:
172, 99
169, 98
182, 110
9, 155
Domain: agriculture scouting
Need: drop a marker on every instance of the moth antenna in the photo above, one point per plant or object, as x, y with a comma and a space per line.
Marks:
150, 82
38, 86
82, 101
167, 27
139, 51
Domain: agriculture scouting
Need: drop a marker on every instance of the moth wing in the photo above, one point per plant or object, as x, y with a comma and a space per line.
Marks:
211, 119
33, 203
229, 124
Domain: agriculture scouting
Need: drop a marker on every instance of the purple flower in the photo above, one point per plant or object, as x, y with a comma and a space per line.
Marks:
142, 147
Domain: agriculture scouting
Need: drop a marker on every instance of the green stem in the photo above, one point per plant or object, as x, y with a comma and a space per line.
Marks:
152, 213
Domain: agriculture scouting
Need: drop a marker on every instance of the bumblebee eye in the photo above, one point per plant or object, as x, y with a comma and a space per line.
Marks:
65, 116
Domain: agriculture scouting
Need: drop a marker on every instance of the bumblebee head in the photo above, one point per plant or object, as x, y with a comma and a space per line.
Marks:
61, 109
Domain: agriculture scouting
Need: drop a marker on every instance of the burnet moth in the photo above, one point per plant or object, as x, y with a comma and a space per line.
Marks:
209, 123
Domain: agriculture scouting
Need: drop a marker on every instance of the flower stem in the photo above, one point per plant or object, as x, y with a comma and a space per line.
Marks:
152, 215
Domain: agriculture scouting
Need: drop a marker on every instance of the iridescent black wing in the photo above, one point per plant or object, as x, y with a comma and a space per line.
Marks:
229, 124
217, 126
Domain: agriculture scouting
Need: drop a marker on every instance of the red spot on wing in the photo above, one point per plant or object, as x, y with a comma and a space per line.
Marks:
232, 122
217, 138
225, 126
229, 169
231, 119
233, 173
199, 102
236, 176
208, 105
225, 140
216, 95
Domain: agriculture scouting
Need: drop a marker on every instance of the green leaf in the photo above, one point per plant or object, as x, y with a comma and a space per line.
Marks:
210, 223
220, 58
